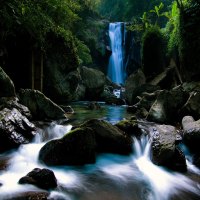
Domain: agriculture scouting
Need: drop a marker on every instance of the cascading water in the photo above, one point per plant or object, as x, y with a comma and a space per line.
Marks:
116, 71
111, 177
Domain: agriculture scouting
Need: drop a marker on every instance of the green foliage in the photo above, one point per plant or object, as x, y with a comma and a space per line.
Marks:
83, 52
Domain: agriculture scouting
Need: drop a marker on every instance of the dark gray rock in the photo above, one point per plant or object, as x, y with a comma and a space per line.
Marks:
164, 149
42, 178
7, 88
191, 130
109, 138
41, 107
76, 148
133, 82
15, 129
94, 82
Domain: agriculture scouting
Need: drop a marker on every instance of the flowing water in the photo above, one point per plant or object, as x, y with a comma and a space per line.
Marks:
116, 71
112, 177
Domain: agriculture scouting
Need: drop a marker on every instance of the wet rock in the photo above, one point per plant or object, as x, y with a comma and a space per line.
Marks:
42, 178
109, 138
13, 102
94, 106
76, 148
191, 130
164, 149
129, 126
15, 129
40, 106
31, 195
7, 88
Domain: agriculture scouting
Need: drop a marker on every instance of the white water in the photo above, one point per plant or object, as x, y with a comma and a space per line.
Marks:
116, 71
112, 177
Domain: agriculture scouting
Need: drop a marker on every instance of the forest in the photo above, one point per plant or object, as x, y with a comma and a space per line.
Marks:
99, 99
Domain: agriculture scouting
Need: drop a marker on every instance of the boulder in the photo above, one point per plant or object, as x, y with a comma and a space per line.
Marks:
192, 107
13, 102
94, 82
40, 106
76, 148
109, 138
129, 126
166, 108
7, 88
191, 130
42, 178
164, 149
133, 81
15, 129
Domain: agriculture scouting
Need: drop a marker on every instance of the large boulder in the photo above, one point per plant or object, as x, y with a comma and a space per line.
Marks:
40, 106
164, 149
109, 138
192, 107
94, 82
42, 178
133, 82
15, 129
129, 126
7, 88
75, 148
166, 108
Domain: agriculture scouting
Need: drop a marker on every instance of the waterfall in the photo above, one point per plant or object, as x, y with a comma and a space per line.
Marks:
116, 71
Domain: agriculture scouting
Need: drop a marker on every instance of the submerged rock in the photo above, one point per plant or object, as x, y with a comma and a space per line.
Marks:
15, 129
42, 178
76, 148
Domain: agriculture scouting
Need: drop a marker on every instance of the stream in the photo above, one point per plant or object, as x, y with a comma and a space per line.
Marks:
112, 177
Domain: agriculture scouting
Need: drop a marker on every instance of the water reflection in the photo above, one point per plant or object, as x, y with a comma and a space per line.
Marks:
112, 114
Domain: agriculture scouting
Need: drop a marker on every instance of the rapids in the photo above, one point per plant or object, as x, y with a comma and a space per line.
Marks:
112, 177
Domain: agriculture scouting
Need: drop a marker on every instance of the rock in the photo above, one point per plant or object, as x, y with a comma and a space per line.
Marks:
42, 178
166, 108
109, 138
94, 106
191, 130
94, 82
7, 88
191, 107
13, 102
143, 90
75, 148
15, 129
40, 106
31, 195
134, 81
129, 126
164, 149
67, 109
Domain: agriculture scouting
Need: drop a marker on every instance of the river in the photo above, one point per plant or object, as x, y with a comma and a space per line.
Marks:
112, 177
